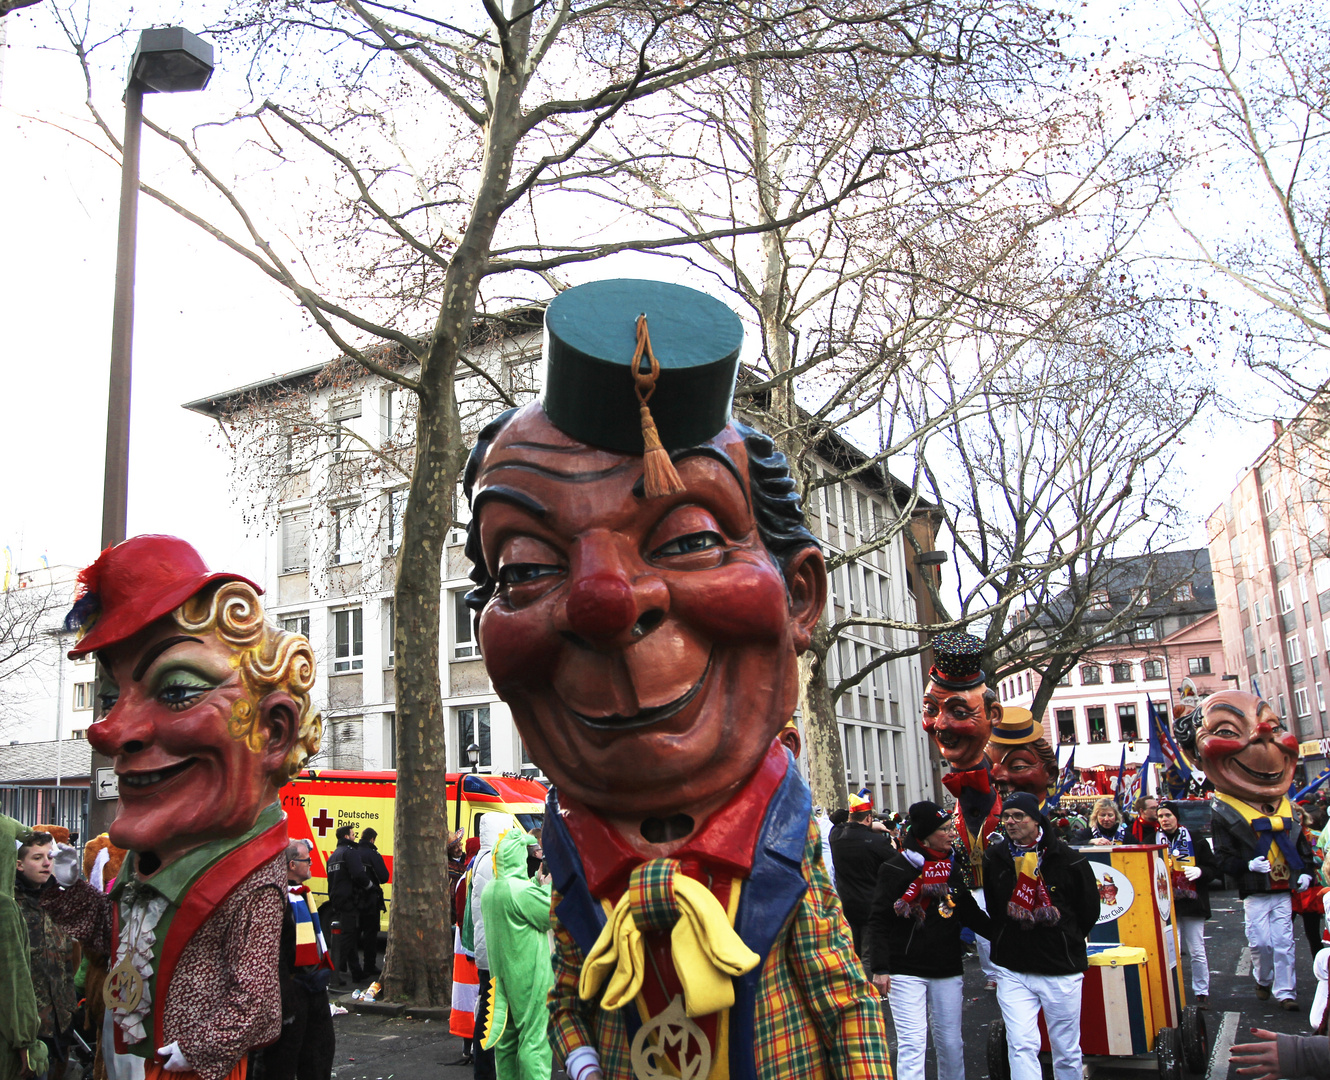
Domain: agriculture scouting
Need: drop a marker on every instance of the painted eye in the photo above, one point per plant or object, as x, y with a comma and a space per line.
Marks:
1225, 733
524, 573
179, 689
688, 544
108, 699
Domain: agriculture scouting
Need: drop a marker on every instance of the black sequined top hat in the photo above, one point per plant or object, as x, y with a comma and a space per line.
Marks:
956, 660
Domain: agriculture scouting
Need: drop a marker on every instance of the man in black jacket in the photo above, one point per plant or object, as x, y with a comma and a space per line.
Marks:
1043, 902
372, 905
915, 951
858, 850
347, 883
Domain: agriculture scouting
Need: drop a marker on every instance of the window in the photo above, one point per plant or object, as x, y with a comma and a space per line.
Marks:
1268, 500
1294, 646
83, 695
1285, 599
1122, 672
473, 726
1183, 592
1275, 654
390, 740
1152, 669
1099, 600
1127, 723
1278, 552
1143, 597
464, 637
1321, 571
1090, 675
1320, 697
1145, 632
1311, 641
296, 624
1315, 519
295, 541
1198, 665
343, 442
395, 508
1065, 679
1300, 701
346, 533
1066, 719
1302, 588
389, 632
1283, 708
1094, 720
1265, 660
348, 640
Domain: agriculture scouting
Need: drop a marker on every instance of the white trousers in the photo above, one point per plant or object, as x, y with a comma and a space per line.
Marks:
1020, 997
982, 945
1191, 928
1270, 938
914, 1003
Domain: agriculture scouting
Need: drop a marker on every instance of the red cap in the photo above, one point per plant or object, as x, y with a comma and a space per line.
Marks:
132, 585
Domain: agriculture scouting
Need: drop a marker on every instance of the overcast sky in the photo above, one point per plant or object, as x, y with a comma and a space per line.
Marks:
206, 321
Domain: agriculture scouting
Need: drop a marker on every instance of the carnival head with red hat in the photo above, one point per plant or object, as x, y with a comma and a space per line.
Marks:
206, 707
959, 709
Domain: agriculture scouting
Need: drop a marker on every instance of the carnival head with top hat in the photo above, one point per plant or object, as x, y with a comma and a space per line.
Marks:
959, 709
1020, 756
645, 580
206, 708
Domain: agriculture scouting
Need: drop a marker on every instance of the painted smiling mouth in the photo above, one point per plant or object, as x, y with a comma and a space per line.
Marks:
1264, 777
948, 739
646, 717
157, 776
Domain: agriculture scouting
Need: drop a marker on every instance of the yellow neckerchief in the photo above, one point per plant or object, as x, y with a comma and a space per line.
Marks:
1278, 864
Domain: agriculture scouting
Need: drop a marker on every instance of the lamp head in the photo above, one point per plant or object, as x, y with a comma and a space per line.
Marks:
170, 60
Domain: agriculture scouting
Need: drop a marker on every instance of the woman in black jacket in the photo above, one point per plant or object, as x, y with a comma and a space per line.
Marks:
1194, 870
915, 951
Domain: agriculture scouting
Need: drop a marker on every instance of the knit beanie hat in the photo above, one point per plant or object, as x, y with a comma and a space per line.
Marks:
925, 819
1025, 803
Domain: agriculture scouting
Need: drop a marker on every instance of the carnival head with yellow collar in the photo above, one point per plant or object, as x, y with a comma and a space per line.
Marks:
644, 577
205, 706
1242, 746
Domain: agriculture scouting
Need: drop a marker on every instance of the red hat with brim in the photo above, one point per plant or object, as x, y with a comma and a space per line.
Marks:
132, 585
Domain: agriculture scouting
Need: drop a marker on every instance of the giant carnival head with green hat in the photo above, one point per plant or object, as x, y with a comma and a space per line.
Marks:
644, 577
959, 708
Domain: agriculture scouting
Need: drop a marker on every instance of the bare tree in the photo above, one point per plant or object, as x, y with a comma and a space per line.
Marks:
30, 612
435, 145
1251, 93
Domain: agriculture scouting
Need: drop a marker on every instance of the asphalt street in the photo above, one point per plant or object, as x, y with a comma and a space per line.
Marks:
401, 1048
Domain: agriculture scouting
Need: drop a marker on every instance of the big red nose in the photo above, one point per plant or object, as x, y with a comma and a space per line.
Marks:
1265, 728
601, 606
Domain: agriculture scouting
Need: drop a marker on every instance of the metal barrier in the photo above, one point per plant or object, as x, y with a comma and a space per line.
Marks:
67, 806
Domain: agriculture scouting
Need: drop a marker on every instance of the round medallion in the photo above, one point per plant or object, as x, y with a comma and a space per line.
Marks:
123, 988
671, 1031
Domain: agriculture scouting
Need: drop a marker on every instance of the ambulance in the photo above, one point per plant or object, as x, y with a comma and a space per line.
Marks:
320, 801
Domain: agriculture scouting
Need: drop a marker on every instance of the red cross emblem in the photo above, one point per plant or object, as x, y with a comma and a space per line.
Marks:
323, 822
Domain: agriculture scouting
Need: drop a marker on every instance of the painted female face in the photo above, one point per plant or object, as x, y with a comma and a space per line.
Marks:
1244, 748
1018, 768
184, 779
960, 722
647, 647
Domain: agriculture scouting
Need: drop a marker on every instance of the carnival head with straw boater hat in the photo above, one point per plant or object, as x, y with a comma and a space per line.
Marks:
206, 705
1020, 757
645, 584
959, 709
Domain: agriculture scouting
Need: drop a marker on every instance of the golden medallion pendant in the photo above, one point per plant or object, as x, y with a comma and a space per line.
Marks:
671, 1030
123, 988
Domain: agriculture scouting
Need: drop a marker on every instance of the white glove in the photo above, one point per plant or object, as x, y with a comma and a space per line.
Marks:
1304, 883
175, 1059
65, 867
913, 858
1260, 865
1191, 873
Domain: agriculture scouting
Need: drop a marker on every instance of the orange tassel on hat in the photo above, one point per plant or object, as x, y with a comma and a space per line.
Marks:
659, 477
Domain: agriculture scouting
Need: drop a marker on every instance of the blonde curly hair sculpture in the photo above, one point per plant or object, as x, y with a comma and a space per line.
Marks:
268, 659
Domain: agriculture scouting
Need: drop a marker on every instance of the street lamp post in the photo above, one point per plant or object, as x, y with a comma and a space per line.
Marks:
167, 61
473, 758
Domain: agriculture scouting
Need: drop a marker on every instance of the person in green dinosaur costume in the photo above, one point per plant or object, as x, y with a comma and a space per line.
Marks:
21, 1051
517, 922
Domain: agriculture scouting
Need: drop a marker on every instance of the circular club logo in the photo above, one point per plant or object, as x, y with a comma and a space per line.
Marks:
1115, 892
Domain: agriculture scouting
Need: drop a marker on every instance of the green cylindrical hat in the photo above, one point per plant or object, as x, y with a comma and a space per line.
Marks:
591, 336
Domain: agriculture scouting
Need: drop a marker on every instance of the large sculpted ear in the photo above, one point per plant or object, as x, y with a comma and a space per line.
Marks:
994, 711
806, 583
279, 721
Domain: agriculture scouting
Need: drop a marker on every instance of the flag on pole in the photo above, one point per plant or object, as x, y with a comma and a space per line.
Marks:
1164, 749
1122, 768
1067, 777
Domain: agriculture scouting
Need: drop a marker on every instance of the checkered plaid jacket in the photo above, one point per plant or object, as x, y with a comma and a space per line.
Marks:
806, 1011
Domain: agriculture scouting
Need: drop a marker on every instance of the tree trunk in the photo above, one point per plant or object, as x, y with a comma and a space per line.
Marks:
826, 763
418, 962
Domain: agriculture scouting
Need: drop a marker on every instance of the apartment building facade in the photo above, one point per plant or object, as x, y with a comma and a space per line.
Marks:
334, 522
1271, 556
1102, 706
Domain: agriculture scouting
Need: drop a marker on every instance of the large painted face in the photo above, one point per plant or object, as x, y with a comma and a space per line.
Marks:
184, 778
647, 647
1244, 748
1018, 768
960, 722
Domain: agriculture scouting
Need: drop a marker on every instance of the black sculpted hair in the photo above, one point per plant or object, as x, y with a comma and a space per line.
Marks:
777, 509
